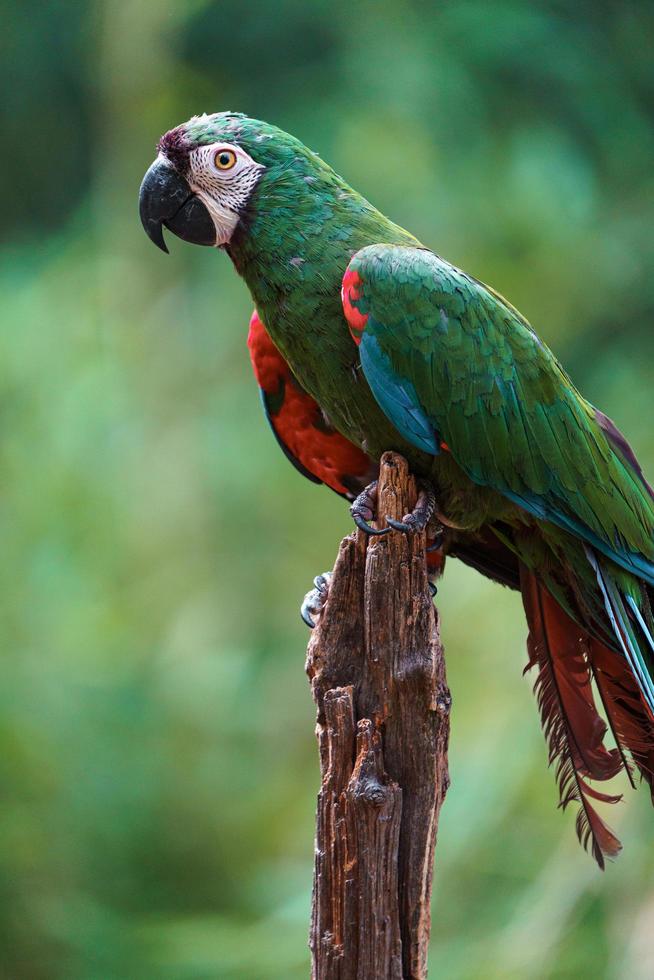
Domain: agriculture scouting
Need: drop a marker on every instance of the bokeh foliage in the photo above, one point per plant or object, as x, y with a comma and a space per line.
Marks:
157, 761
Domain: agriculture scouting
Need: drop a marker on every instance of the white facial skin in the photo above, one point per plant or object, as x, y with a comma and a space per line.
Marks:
223, 176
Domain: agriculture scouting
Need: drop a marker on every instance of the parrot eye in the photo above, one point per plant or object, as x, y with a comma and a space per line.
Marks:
224, 159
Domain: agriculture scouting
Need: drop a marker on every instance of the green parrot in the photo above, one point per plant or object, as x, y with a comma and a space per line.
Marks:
400, 350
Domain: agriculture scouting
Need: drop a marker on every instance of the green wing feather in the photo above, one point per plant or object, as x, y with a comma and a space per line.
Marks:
498, 397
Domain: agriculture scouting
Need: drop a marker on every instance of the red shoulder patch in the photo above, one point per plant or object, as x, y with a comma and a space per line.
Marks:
350, 292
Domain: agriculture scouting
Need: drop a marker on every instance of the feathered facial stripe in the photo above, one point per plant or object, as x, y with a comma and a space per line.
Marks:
223, 176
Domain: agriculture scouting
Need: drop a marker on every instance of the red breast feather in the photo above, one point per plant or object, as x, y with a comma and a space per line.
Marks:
299, 423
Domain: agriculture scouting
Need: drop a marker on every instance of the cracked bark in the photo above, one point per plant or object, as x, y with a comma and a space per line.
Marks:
377, 675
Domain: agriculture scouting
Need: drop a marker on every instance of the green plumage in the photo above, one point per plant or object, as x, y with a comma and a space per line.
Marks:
449, 374
511, 416
516, 427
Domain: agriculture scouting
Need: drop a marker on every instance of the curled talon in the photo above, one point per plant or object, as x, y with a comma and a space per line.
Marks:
307, 619
314, 601
420, 516
363, 510
364, 507
363, 525
436, 541
406, 526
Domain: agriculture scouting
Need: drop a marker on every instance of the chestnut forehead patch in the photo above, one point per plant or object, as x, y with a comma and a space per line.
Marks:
176, 147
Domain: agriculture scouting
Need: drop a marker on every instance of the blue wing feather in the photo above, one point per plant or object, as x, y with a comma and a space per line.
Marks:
629, 560
397, 397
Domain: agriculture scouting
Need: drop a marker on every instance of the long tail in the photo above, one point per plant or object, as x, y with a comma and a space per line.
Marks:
629, 625
572, 725
625, 682
630, 721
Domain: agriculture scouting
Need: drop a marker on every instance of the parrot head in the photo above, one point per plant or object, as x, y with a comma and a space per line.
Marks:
207, 171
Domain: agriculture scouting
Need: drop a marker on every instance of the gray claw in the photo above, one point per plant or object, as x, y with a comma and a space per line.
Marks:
437, 541
419, 518
314, 601
364, 507
363, 510
362, 523
407, 526
306, 616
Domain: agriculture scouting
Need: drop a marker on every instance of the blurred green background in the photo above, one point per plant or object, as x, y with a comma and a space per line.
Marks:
157, 760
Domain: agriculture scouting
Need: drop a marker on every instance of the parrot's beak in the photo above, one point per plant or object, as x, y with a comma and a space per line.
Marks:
166, 199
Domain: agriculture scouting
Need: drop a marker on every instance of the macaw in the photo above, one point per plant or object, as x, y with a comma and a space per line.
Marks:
382, 344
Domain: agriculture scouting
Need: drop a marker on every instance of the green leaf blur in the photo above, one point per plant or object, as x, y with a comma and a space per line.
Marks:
157, 758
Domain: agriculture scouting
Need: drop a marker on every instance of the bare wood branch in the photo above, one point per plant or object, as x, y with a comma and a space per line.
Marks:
377, 674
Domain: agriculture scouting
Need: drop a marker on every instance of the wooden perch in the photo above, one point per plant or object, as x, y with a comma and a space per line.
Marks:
377, 675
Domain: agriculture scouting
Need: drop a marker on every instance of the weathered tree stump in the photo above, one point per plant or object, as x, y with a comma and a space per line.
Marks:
377, 675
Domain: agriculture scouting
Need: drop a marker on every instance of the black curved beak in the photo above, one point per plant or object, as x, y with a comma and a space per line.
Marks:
165, 198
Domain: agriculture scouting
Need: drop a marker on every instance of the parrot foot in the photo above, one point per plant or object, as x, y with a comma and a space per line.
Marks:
421, 515
314, 601
363, 510
435, 535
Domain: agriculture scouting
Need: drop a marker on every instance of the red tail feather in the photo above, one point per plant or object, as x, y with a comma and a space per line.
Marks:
629, 718
572, 726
